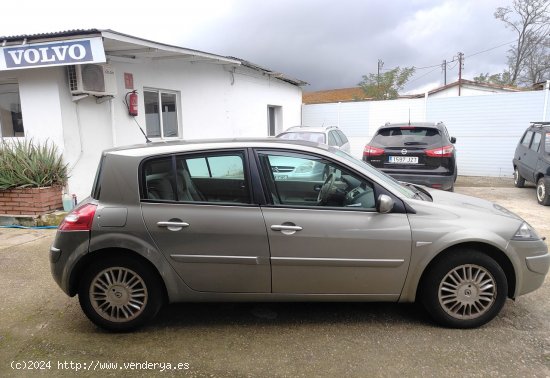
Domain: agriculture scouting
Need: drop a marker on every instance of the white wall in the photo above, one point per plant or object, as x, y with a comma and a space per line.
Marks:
214, 103
487, 128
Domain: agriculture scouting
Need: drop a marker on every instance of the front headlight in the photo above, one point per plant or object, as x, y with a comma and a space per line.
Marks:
526, 232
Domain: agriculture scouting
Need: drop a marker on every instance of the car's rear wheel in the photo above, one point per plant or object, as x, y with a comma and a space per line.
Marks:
519, 181
464, 290
120, 293
543, 194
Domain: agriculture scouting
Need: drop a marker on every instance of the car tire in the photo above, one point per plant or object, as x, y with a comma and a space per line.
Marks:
519, 181
120, 293
543, 191
464, 290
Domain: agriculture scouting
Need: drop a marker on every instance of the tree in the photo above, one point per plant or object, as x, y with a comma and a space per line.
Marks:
530, 20
498, 79
386, 85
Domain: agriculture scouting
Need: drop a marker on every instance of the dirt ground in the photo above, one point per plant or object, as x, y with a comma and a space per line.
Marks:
41, 327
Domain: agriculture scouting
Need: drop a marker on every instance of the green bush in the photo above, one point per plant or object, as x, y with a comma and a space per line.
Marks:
25, 164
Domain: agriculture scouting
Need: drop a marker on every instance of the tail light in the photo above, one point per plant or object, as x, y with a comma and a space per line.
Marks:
372, 151
80, 219
446, 151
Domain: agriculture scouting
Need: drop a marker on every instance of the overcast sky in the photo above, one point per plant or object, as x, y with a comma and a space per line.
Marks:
329, 44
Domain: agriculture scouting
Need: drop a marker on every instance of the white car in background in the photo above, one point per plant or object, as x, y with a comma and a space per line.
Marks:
330, 135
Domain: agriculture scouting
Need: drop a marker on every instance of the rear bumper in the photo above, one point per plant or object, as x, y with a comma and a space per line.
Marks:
431, 181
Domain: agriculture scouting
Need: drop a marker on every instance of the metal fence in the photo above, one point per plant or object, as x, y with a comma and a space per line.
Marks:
487, 128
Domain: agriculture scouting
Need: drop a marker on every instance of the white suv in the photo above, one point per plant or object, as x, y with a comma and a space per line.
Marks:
330, 135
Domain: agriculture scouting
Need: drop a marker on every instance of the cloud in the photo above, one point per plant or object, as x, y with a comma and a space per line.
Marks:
326, 43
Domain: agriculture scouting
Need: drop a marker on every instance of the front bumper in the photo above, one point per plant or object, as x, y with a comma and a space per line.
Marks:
532, 264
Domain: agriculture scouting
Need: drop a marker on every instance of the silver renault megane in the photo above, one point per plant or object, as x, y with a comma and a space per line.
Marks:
214, 221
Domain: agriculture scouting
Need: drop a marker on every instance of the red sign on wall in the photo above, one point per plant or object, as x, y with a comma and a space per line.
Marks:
128, 80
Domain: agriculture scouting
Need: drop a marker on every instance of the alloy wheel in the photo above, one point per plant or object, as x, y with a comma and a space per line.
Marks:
467, 292
118, 294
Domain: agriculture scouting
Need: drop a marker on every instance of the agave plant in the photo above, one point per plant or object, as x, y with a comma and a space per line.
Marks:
25, 164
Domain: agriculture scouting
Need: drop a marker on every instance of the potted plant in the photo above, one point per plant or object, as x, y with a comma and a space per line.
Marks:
32, 177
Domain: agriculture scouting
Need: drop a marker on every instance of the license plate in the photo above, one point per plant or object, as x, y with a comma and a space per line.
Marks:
403, 159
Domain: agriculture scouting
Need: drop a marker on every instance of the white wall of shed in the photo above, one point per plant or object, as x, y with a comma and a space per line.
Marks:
210, 107
487, 128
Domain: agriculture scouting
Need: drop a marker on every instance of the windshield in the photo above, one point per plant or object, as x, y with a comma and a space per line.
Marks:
407, 136
304, 135
388, 181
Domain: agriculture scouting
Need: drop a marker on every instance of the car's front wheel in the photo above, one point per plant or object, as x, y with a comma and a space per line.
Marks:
120, 293
519, 181
543, 194
464, 290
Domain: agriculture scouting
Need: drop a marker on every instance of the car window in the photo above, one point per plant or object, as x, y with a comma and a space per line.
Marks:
197, 178
305, 135
332, 139
547, 143
526, 140
309, 181
337, 137
536, 142
343, 137
408, 136
212, 178
159, 180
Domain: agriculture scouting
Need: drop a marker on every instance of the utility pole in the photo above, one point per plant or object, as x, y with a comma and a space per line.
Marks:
460, 66
444, 68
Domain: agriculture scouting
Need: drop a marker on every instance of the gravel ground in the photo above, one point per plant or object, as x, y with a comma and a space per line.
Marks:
39, 323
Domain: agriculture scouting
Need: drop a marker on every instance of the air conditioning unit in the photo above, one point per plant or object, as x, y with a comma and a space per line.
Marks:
94, 79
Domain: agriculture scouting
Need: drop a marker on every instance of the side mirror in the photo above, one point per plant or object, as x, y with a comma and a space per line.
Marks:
384, 204
453, 140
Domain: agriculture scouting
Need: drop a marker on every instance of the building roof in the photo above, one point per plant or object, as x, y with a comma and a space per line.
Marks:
126, 47
470, 83
334, 95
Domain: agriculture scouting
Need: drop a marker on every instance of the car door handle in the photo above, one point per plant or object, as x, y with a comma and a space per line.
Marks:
173, 226
283, 227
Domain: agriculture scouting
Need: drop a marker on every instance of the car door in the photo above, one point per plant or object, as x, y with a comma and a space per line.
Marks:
532, 157
338, 244
198, 210
521, 154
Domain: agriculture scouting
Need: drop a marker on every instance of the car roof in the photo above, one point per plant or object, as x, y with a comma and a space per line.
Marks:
312, 129
543, 124
176, 146
434, 125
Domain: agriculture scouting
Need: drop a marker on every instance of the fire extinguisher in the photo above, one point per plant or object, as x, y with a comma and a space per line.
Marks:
132, 103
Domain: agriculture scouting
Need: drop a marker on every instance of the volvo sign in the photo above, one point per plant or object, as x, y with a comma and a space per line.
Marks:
59, 53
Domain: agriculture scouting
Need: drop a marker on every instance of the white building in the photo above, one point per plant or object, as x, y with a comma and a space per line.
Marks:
74, 88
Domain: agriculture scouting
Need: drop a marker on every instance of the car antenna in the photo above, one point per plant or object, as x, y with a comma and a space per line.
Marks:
409, 115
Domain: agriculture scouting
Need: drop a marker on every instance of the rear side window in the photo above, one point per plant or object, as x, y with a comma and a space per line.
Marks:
343, 138
408, 136
96, 188
216, 178
536, 142
547, 143
332, 139
526, 140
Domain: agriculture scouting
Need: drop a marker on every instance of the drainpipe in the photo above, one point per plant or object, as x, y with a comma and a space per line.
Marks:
546, 89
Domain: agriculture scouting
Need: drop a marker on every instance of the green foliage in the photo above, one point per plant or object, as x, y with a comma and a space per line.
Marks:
386, 85
498, 79
25, 164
